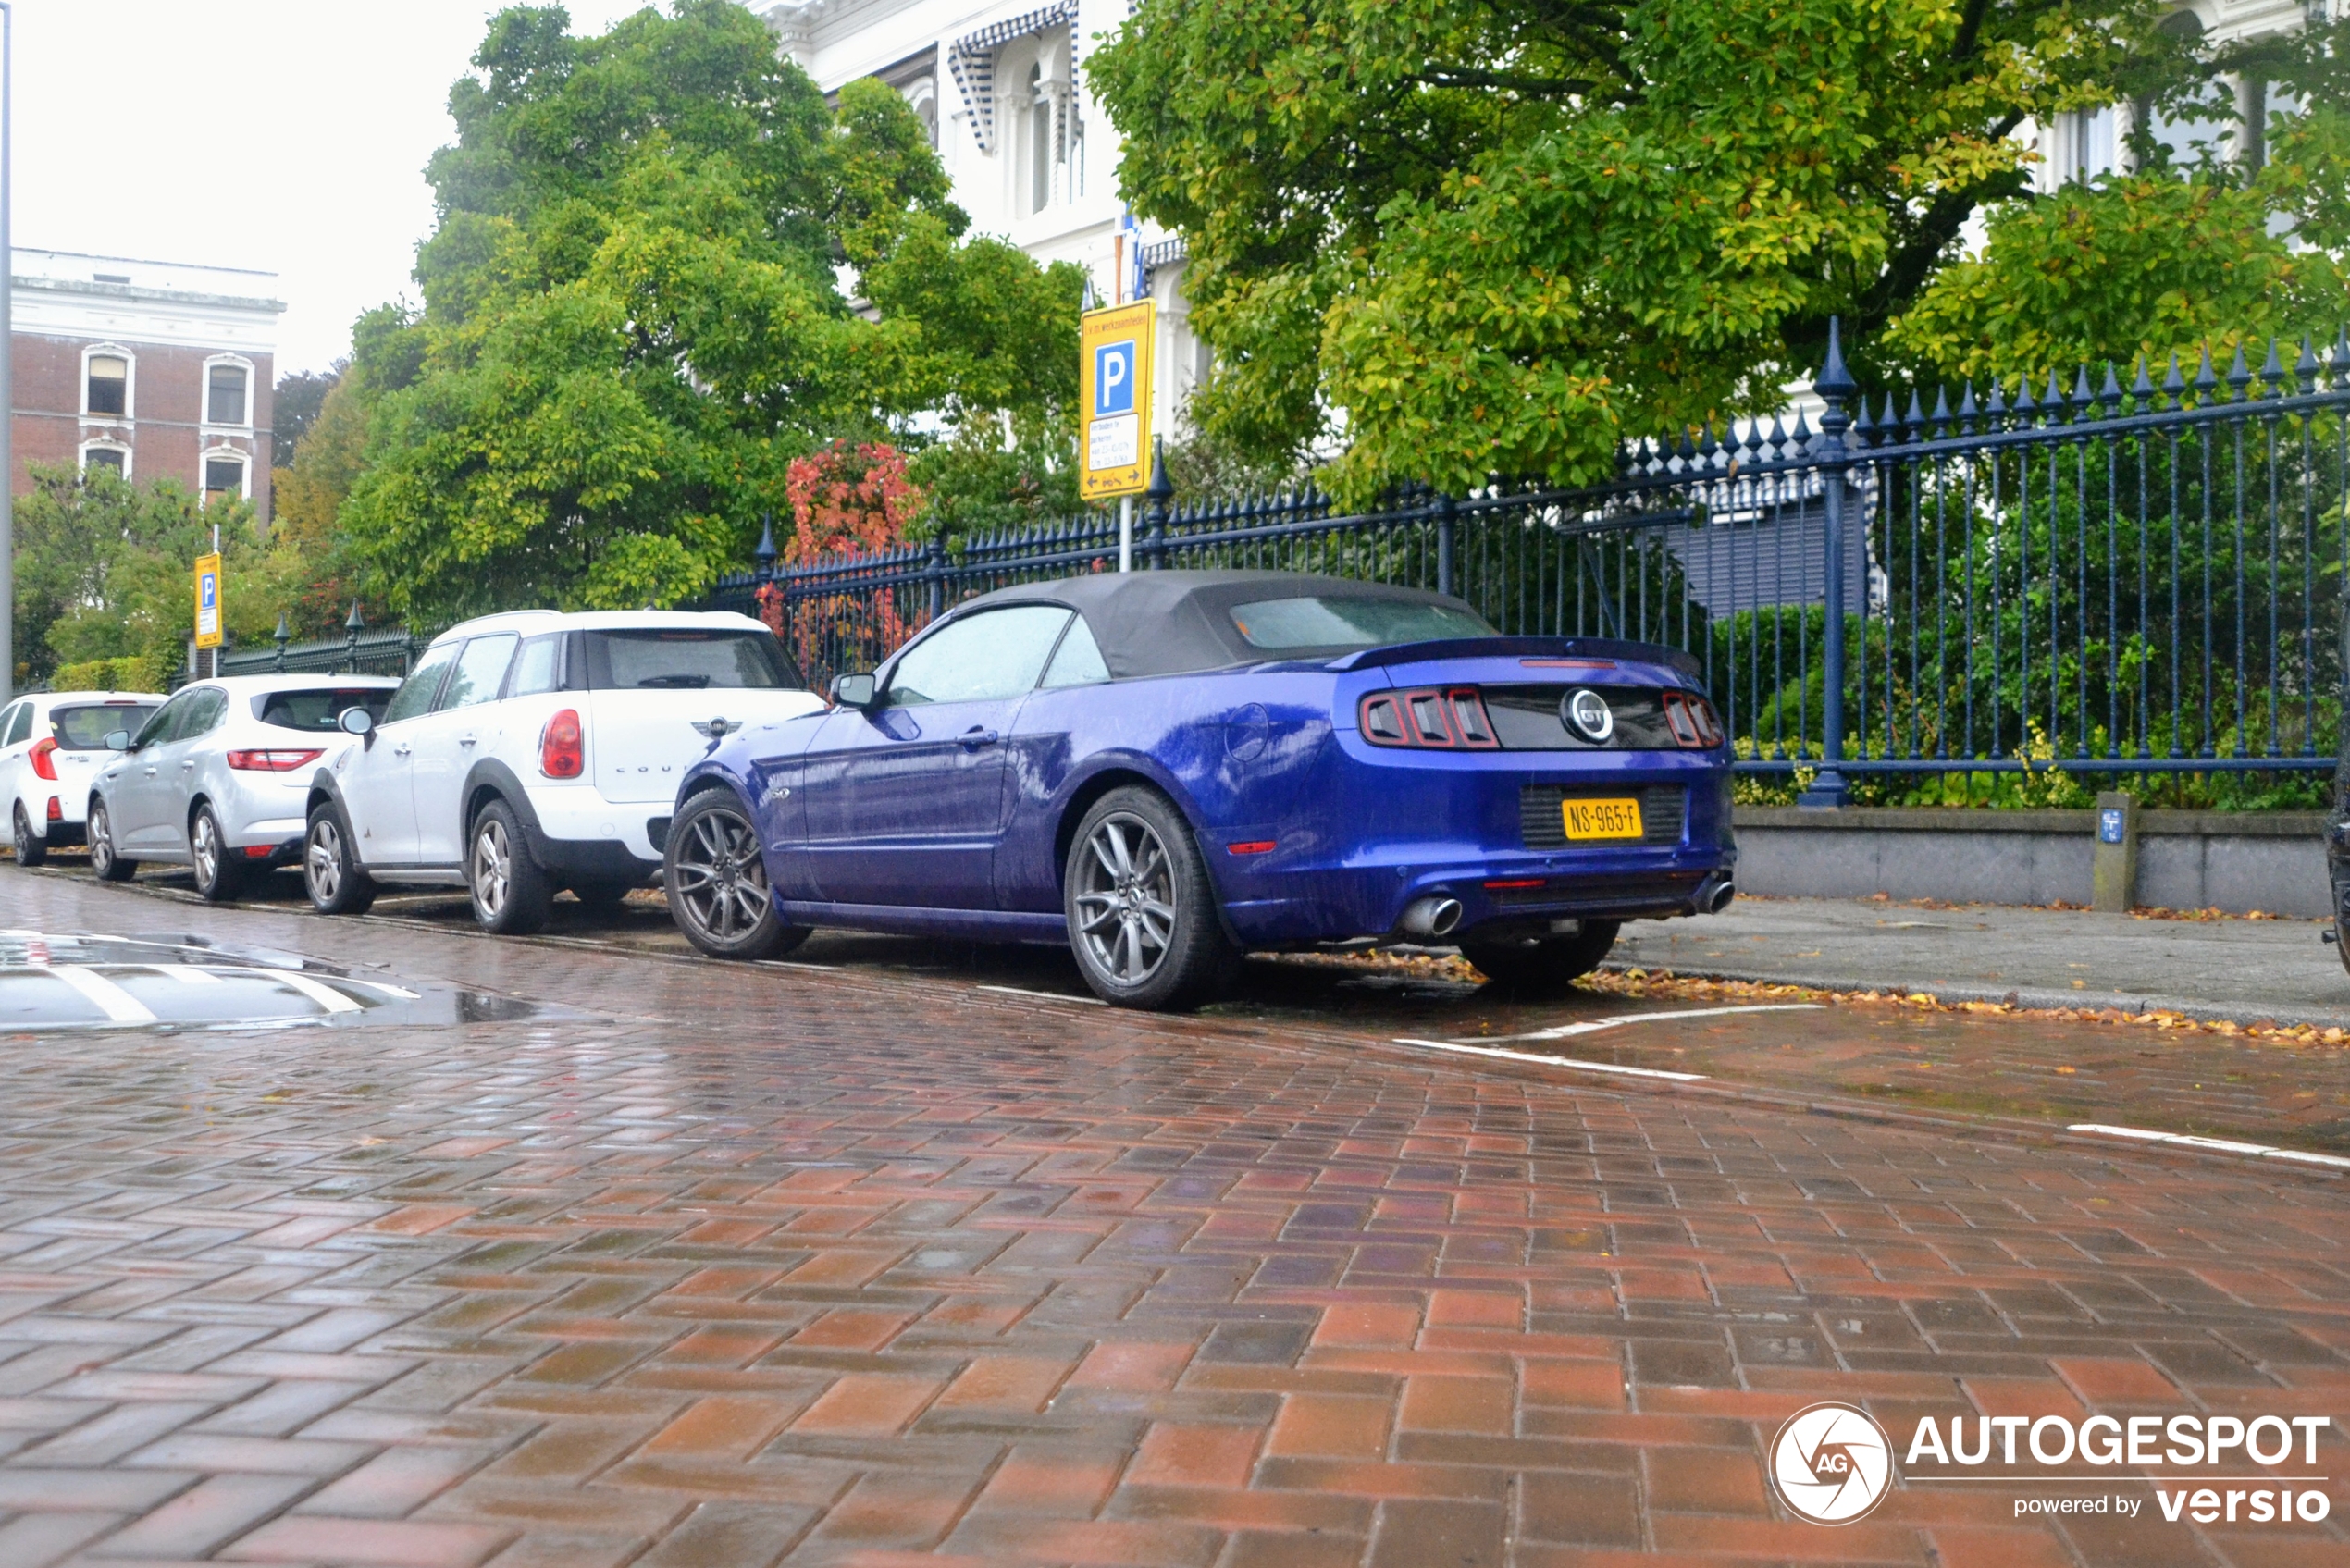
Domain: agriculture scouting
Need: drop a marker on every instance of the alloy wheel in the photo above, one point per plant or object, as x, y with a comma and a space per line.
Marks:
101, 840
717, 876
1125, 899
322, 860
206, 849
493, 866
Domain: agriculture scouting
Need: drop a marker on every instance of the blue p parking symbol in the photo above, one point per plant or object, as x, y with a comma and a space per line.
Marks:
1114, 378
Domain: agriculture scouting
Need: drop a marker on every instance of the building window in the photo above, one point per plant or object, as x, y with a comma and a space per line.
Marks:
223, 477
225, 388
106, 457
107, 386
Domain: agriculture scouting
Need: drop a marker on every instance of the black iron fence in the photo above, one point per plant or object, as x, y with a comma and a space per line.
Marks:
359, 651
2108, 579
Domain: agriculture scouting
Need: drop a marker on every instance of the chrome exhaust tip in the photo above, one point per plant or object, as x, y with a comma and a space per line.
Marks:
1721, 900
1431, 916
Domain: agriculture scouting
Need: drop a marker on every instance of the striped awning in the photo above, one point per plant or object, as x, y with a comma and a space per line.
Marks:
971, 59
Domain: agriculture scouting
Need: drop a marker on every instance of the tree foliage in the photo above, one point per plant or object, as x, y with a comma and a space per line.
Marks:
103, 571
664, 269
1467, 238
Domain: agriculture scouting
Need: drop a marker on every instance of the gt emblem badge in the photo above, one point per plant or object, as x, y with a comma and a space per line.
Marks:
1588, 714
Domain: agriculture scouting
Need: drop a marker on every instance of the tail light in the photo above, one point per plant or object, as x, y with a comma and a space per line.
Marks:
56, 810
271, 762
1692, 719
562, 747
1428, 719
43, 756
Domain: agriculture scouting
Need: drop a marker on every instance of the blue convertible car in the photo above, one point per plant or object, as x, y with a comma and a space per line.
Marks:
1169, 769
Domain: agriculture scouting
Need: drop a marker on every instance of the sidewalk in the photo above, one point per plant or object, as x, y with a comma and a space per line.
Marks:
2222, 969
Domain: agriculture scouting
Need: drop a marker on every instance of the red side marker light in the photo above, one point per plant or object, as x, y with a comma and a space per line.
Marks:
1253, 847
1506, 884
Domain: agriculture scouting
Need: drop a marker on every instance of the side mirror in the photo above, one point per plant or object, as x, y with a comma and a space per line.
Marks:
118, 740
355, 722
853, 691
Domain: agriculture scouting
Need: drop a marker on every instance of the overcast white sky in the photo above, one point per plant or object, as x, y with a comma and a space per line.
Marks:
286, 135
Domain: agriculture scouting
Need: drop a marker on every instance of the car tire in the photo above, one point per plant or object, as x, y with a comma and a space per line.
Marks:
602, 894
717, 885
109, 863
511, 892
30, 851
331, 871
1539, 965
219, 876
1143, 921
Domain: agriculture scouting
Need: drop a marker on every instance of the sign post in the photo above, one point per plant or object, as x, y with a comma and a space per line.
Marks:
208, 606
1114, 439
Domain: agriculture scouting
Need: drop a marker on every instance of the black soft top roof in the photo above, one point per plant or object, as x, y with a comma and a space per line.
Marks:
1173, 623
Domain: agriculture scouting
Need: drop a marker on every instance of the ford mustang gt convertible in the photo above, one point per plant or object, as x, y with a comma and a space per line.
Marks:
1167, 770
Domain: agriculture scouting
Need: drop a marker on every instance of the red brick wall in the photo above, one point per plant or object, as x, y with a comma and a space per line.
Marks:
167, 406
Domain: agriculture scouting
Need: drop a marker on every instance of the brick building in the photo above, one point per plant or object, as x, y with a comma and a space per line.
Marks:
153, 368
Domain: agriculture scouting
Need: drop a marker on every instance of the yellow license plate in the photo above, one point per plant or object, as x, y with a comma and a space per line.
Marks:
1603, 819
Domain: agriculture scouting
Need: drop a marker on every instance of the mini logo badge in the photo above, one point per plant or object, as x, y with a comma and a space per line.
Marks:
1588, 714
1831, 1462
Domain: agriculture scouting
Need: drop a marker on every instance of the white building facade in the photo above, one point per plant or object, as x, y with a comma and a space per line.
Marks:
1032, 158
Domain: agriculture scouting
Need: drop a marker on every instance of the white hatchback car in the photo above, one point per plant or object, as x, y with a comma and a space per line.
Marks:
217, 779
51, 744
539, 750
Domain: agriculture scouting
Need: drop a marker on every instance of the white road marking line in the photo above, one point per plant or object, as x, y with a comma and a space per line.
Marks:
2221, 1145
1046, 996
1568, 1031
1541, 1060
327, 996
112, 999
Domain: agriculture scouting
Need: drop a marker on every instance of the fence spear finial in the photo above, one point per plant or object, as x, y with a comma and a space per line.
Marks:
765, 554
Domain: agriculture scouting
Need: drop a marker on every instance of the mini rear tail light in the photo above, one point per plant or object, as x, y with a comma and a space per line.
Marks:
1692, 719
43, 756
272, 761
562, 747
1433, 719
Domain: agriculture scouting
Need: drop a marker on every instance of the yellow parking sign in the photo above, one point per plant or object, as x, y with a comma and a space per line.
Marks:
207, 602
1114, 443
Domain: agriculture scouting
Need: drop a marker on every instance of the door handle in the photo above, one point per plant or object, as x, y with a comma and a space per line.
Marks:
465, 740
150, 772
188, 763
975, 737
399, 751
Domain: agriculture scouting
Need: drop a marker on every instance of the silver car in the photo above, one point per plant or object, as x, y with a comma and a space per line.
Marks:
218, 779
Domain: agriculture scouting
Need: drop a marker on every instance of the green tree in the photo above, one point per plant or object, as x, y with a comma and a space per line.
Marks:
663, 270
1468, 238
103, 569
299, 399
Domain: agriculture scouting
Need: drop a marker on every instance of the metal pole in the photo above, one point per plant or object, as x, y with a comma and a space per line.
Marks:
1835, 385
8, 366
1126, 533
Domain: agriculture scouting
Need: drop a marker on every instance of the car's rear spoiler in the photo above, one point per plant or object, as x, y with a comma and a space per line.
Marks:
1523, 647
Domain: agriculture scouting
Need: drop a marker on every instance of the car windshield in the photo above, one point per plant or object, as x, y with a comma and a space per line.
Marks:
687, 659
82, 728
1337, 624
319, 709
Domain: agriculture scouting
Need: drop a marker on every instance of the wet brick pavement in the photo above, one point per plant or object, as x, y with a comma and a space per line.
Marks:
841, 1266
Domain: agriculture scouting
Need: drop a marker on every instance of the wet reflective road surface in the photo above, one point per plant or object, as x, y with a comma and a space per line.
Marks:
67, 980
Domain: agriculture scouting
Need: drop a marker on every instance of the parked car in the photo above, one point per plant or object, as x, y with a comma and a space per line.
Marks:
1168, 769
535, 751
51, 743
217, 778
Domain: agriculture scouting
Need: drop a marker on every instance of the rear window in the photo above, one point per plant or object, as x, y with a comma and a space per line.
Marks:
319, 709
686, 660
79, 729
1338, 623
